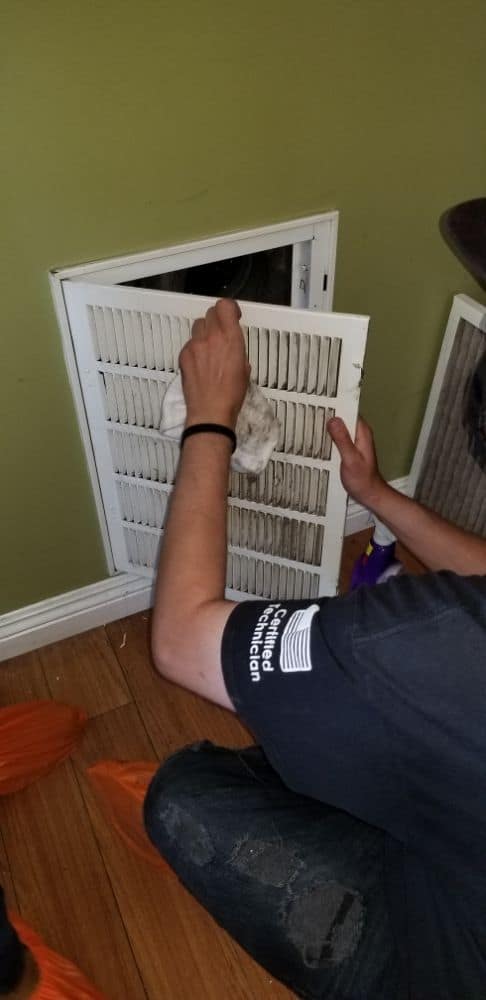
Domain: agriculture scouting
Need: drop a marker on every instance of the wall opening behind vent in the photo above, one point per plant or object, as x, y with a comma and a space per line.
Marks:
265, 276
285, 264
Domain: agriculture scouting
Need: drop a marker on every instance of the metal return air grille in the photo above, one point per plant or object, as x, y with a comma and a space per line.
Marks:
279, 359
279, 533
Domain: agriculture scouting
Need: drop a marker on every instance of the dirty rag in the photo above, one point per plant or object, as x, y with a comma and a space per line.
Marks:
257, 429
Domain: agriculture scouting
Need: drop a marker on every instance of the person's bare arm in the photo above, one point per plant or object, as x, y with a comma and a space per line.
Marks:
190, 610
437, 543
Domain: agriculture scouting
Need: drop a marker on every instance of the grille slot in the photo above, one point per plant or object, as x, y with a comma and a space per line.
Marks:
142, 505
146, 456
132, 400
245, 574
274, 535
280, 359
294, 361
301, 488
259, 531
139, 339
249, 575
303, 428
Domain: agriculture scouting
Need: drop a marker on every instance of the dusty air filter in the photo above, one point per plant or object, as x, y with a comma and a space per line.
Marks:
448, 472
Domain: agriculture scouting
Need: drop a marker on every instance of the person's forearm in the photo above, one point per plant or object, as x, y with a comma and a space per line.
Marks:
190, 612
192, 568
437, 543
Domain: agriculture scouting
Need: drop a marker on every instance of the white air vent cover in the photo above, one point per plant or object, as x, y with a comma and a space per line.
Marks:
285, 527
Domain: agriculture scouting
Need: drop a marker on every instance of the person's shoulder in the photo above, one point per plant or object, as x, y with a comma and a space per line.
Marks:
408, 599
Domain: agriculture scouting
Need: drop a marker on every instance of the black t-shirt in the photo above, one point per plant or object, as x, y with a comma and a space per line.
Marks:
376, 703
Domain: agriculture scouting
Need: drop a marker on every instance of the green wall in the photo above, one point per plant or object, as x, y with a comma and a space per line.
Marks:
129, 125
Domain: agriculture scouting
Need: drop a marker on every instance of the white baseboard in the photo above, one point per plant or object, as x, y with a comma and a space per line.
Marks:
358, 518
76, 611
117, 596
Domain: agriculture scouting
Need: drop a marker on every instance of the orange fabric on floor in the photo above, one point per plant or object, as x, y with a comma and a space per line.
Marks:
121, 788
34, 737
59, 979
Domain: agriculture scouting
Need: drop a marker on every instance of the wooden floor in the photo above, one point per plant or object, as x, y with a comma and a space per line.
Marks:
135, 932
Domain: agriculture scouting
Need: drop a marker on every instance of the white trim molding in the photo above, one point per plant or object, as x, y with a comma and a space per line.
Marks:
73, 612
116, 597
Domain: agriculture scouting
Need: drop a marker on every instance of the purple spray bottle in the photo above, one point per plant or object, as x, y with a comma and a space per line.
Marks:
377, 563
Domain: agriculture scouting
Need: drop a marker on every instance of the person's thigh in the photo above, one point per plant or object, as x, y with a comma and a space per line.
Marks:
299, 884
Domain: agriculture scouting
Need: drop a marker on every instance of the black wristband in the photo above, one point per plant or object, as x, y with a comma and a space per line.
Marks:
211, 429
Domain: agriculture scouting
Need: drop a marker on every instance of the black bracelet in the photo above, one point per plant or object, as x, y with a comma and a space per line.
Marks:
211, 429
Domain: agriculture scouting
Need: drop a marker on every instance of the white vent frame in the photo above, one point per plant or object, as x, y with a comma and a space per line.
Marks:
314, 239
463, 309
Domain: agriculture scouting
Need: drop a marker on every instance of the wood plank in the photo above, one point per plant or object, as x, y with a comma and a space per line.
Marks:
134, 931
179, 949
172, 716
61, 882
6, 879
22, 679
84, 671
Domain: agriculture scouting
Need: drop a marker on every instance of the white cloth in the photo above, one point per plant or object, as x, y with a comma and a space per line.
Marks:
257, 430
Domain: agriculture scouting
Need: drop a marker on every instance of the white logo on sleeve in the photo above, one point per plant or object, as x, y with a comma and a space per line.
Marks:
295, 647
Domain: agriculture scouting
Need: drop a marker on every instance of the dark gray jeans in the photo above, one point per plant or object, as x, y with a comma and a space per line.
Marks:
297, 883
11, 952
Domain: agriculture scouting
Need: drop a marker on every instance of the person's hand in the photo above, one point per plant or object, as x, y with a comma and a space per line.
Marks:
360, 474
214, 367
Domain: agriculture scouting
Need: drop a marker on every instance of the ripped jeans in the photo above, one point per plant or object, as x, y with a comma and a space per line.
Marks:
297, 883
